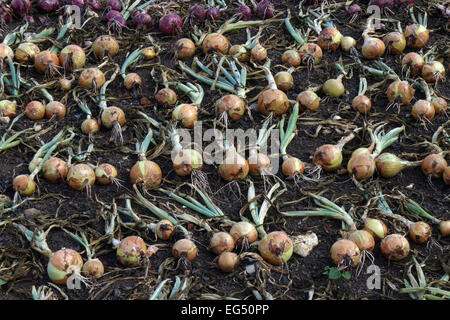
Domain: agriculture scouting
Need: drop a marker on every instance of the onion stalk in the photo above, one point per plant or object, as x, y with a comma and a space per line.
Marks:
187, 113
417, 34
361, 103
259, 163
132, 81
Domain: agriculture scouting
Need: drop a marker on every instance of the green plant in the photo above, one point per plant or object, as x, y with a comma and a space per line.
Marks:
334, 273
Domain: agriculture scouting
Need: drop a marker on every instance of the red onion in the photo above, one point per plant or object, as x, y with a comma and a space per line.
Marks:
198, 12
354, 9
114, 5
48, 6
170, 24
20, 7
118, 21
384, 4
94, 4
5, 14
213, 14
143, 21
111, 14
78, 3
265, 9
244, 12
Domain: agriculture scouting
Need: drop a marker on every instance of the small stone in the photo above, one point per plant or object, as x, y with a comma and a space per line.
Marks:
31, 212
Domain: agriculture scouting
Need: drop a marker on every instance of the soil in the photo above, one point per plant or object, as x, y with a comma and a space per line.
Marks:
22, 267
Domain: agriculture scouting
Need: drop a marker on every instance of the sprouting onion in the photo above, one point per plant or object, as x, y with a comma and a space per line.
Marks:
132, 81
372, 48
361, 103
389, 165
187, 113
417, 34
184, 160
259, 163
272, 100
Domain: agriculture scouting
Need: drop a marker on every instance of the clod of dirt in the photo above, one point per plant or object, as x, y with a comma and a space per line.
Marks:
303, 244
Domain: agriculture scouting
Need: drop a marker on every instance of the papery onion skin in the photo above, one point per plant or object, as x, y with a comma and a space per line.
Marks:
361, 166
416, 36
24, 185
48, 6
423, 109
187, 114
372, 48
362, 104
164, 229
62, 264
420, 232
227, 261
333, 87
93, 268
310, 51
444, 228
5, 52
343, 249
148, 53
273, 100
244, 12
132, 81
439, 104
94, 5
90, 126
328, 156
240, 52
276, 248
131, 250
446, 175
143, 21
105, 45
234, 167
232, 104
80, 176
184, 48
146, 173
434, 165
284, 80
215, 42
414, 61
329, 39
308, 100
291, 58
187, 160
363, 239
433, 71
221, 242
395, 42
265, 9
92, 77
26, 52
114, 5
8, 108
65, 84
55, 108
389, 165
243, 231
78, 57
395, 247
55, 170
105, 173
46, 62
213, 13
401, 90
112, 114
198, 12
166, 95
376, 228
170, 24
347, 43
259, 164
35, 110
292, 166
184, 248
258, 52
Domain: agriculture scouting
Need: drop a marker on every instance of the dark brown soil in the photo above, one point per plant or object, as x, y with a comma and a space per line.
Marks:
23, 267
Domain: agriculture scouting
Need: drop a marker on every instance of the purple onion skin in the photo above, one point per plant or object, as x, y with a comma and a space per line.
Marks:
30, 20
48, 6
244, 12
198, 12
95, 5
143, 21
111, 15
5, 15
114, 5
78, 3
265, 9
409, 2
213, 14
20, 7
117, 22
388, 4
354, 9
170, 24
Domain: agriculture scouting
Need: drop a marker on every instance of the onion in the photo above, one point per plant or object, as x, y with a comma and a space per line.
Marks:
148, 53
444, 228
65, 84
185, 113
94, 4
227, 261
329, 39
354, 9
395, 247
5, 14
372, 48
81, 176
132, 81
276, 248
362, 104
143, 21
234, 167
384, 4
105, 173
376, 228
213, 14
131, 250
433, 71
244, 231
328, 156
416, 36
55, 170
35, 110
72, 57
170, 24
292, 166
111, 15
273, 100
146, 173
439, 104
244, 12
446, 175
389, 165
94, 268
395, 42
55, 108
184, 48
78, 3
240, 52
284, 80
265, 9
26, 52
423, 109
310, 52
114, 5
184, 248
400, 90
198, 12
232, 104
118, 22
258, 52
164, 229
215, 42
24, 185
361, 166
414, 62
221, 242
420, 232
8, 108
90, 126
259, 164
187, 160
48, 6
105, 46
343, 250
363, 239
92, 77
291, 58
434, 165
5, 52
112, 115
166, 95
62, 264
308, 100
334, 87
46, 62
347, 43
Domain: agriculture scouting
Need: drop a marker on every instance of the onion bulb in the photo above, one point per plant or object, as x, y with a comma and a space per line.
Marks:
259, 164
81, 176
361, 166
400, 90
111, 115
423, 109
372, 48
444, 228
131, 250
434, 165
187, 160
395, 247
46, 62
5, 52
376, 228
72, 57
184, 48
105, 45
414, 62
166, 95
265, 9
146, 173
65, 84
132, 81
439, 104
26, 52
292, 166
389, 165
273, 100
24, 185
446, 175
310, 52
62, 264
243, 231
291, 58
221, 242
105, 173
227, 261
184, 248
416, 36
187, 114
164, 229
284, 80
170, 24
240, 52
215, 42
308, 100
233, 167
363, 239
334, 87
347, 43
55, 170
92, 77
148, 53
232, 104
343, 250
420, 232
90, 126
328, 156
55, 108
276, 248
258, 52
433, 71
361, 104
8, 108
329, 39
94, 268
395, 42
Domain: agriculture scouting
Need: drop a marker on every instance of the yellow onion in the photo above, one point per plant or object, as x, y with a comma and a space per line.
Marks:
72, 57
276, 248
55, 170
292, 166
5, 52
416, 36
395, 247
232, 104
221, 242
92, 77
433, 71
105, 46
273, 100
372, 48
423, 109
81, 176
8, 108
46, 62
395, 42
362, 104
361, 166
345, 251
105, 173
439, 104
284, 80
444, 228
334, 87
310, 52
93, 268
376, 228
148, 53
62, 264
184, 248
65, 84
164, 229
131, 250
389, 165
166, 95
184, 48
400, 90
111, 115
259, 164
414, 62
328, 156
187, 114
24, 185
420, 232
132, 81
308, 100
363, 239
215, 42
329, 39
347, 43
240, 52
187, 160
90, 126
234, 167
291, 58
55, 108
243, 231
446, 175
146, 173
434, 165
227, 261
26, 52
258, 52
